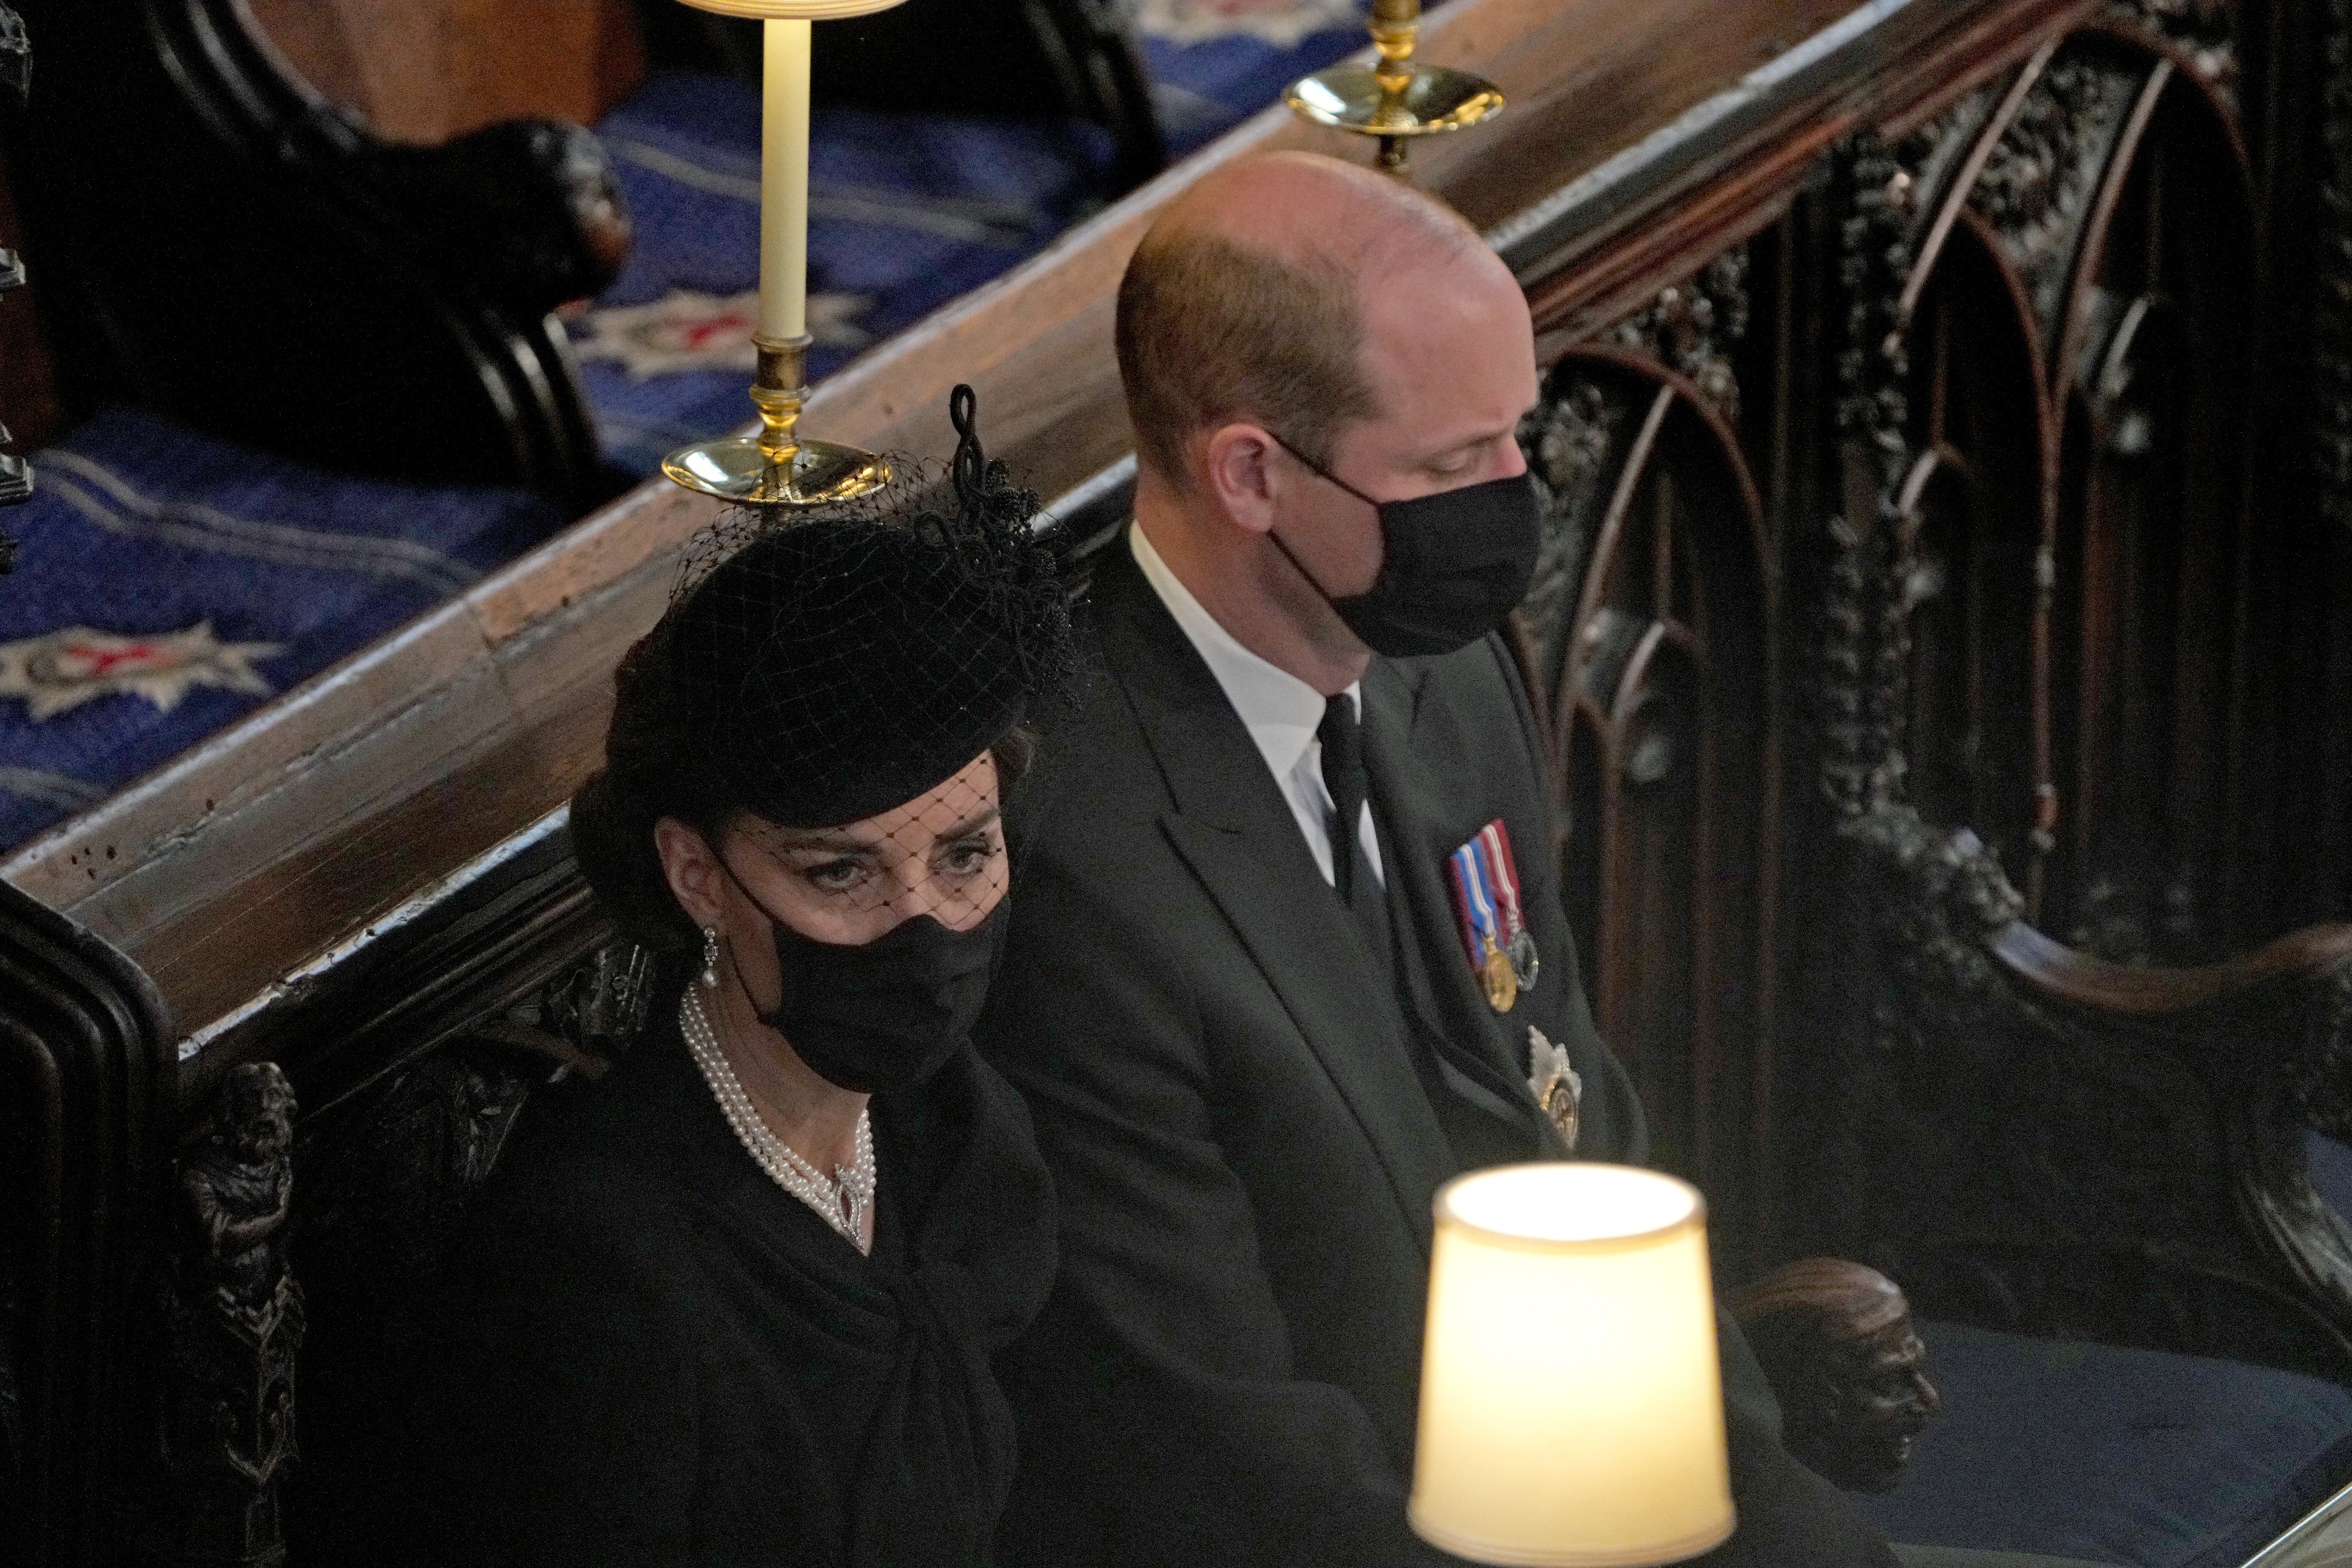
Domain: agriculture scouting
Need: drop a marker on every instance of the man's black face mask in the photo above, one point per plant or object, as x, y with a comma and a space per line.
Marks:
888, 1013
1453, 564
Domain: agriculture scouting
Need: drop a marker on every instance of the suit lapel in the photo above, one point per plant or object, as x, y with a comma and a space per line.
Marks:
1236, 831
1473, 1047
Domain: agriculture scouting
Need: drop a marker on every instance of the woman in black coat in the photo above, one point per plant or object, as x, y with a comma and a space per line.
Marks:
734, 1302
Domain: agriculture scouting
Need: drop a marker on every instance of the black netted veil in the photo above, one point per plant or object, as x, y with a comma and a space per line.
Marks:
817, 672
836, 667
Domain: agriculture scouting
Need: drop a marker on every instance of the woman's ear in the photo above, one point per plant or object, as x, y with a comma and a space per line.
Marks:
692, 870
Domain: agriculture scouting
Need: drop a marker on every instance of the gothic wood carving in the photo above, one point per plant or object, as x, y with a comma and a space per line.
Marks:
387, 1173
1695, 326
2205, 31
1644, 633
2076, 522
2023, 1134
1837, 1340
233, 1321
2066, 1167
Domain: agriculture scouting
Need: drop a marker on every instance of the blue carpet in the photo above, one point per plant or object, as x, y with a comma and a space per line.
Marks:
199, 578
907, 211
2106, 1454
144, 532
2331, 1170
1215, 63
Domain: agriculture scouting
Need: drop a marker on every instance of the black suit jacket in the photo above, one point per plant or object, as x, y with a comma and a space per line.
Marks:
1246, 1124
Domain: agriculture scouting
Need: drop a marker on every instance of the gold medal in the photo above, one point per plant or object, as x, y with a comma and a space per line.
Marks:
1500, 980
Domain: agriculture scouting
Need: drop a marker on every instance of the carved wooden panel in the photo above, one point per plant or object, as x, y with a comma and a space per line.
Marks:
2085, 574
1647, 635
1944, 490
2050, 607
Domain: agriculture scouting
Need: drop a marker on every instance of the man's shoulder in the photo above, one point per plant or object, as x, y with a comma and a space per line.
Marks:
1481, 676
1094, 764
1470, 707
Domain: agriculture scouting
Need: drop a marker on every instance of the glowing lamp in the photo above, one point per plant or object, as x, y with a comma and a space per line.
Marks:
1571, 1404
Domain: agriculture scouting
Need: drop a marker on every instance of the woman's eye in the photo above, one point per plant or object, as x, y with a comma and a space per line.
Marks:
836, 876
970, 856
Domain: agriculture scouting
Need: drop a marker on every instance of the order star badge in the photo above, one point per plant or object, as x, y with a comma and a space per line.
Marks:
63, 670
1556, 1088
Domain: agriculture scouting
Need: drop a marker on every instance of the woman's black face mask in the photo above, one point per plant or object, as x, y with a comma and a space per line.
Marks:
1453, 564
884, 1015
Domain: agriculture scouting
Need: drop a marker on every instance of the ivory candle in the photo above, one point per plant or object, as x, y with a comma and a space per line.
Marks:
784, 181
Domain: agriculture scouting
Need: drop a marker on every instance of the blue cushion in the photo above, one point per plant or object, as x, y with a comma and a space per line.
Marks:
2331, 1170
2112, 1455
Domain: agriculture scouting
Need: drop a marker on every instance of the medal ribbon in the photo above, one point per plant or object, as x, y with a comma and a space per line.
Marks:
1479, 923
1494, 841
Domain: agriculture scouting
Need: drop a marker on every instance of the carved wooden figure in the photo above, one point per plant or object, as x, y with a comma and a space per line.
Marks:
1836, 1340
234, 1324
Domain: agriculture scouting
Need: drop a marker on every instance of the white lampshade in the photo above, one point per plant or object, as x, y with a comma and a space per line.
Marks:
1571, 1404
794, 10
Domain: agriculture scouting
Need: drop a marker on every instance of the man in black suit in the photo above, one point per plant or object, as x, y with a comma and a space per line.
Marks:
1236, 994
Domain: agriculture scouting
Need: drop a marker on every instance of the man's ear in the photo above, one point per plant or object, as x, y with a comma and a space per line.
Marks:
692, 870
1238, 461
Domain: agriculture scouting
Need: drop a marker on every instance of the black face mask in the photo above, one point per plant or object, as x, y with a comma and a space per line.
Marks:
1453, 564
888, 1013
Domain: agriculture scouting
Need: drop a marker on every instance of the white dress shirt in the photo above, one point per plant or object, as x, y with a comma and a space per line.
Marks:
1281, 712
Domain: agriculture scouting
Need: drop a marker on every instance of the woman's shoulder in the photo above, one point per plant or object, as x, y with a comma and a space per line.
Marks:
600, 1172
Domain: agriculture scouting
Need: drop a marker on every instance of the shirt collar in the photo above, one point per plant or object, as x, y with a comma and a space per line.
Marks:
1281, 712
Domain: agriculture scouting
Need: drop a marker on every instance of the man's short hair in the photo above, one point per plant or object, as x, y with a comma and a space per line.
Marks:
1212, 330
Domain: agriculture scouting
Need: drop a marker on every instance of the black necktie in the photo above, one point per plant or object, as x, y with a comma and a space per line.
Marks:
1351, 872
1343, 775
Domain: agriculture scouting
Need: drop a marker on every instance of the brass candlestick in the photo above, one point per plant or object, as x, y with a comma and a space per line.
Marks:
1394, 100
778, 467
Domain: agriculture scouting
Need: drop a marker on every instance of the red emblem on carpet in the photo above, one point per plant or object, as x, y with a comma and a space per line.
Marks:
63, 670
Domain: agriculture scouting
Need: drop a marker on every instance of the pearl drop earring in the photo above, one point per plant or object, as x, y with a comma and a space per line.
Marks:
710, 958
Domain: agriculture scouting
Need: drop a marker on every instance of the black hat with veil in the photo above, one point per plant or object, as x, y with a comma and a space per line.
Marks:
817, 670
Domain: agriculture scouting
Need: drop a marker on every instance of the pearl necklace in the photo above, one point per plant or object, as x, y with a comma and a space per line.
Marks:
843, 1199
